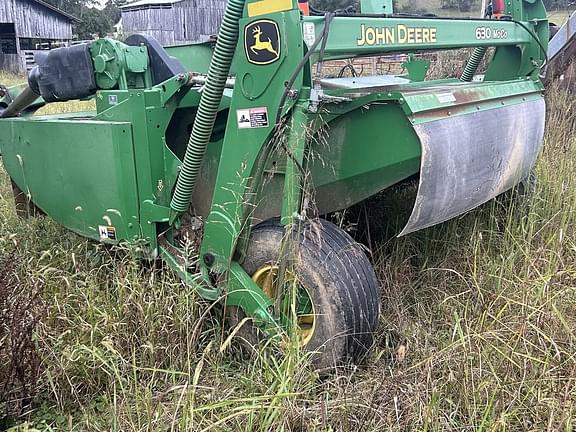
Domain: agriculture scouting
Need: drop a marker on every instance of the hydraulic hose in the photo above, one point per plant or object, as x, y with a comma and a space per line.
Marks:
478, 53
473, 63
208, 108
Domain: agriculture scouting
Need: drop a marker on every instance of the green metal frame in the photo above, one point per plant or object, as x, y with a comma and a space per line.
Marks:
118, 167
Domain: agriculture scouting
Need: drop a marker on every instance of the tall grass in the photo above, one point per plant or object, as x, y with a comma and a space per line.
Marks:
477, 333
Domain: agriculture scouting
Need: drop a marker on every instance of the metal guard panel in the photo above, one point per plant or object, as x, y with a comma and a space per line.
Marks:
562, 38
469, 159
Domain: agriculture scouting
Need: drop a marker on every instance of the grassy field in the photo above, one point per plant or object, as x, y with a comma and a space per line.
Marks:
478, 330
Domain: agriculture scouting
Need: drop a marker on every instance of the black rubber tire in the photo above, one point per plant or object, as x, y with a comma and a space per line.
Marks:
339, 279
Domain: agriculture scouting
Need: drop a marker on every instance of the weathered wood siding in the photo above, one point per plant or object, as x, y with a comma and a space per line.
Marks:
11, 63
152, 21
198, 19
182, 22
34, 20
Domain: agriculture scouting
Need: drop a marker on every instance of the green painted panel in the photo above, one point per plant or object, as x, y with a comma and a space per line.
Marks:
195, 57
354, 36
79, 172
358, 155
363, 153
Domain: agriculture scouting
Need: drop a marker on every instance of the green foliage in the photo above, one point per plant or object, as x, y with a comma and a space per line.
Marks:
73, 7
93, 21
112, 10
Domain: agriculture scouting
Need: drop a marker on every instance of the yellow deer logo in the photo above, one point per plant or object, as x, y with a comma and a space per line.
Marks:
259, 44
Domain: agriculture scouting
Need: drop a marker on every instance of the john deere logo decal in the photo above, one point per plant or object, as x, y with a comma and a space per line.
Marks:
262, 42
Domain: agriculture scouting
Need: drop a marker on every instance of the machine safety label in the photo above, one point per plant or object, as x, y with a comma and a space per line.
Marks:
445, 97
252, 118
309, 30
107, 232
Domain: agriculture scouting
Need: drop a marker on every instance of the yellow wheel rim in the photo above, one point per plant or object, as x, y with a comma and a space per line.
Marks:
267, 278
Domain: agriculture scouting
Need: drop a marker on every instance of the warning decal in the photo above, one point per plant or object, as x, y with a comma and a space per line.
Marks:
107, 232
252, 118
309, 30
445, 97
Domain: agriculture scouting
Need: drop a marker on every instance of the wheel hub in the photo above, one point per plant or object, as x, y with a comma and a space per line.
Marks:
267, 278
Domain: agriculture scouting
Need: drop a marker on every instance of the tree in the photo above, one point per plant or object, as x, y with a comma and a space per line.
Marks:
93, 22
73, 7
112, 10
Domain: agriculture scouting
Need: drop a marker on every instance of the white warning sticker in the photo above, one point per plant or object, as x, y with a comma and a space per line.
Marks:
309, 30
252, 118
107, 232
445, 97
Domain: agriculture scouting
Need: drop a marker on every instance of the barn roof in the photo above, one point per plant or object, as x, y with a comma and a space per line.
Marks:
141, 3
55, 9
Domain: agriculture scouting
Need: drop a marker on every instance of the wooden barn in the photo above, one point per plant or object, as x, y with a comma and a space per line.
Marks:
173, 22
27, 26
